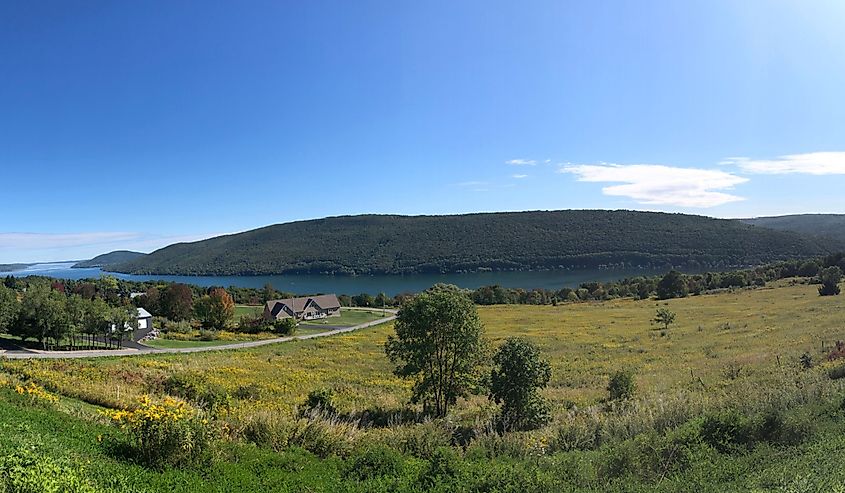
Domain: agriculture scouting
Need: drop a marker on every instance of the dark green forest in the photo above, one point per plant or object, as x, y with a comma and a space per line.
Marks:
390, 244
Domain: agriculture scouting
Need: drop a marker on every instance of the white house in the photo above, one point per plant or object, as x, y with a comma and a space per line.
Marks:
145, 319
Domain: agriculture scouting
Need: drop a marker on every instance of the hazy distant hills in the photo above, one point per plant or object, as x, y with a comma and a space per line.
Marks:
109, 259
375, 244
826, 225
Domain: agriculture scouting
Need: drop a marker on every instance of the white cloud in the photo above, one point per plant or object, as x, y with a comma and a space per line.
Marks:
661, 185
519, 177
813, 163
521, 162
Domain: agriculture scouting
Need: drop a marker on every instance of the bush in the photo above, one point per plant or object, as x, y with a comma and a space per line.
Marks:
375, 461
443, 465
285, 326
195, 388
727, 431
26, 471
321, 400
621, 385
170, 434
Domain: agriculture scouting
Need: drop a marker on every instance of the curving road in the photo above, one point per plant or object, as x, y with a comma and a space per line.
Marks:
35, 354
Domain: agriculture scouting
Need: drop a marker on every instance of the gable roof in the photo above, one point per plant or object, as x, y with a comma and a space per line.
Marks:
324, 301
143, 313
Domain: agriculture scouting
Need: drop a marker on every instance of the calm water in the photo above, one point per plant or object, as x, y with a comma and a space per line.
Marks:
390, 285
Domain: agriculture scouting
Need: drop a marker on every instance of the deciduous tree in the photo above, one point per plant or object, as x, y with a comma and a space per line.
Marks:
216, 309
438, 344
517, 376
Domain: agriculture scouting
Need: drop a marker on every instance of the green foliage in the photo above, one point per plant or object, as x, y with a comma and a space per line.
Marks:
375, 461
285, 326
621, 385
9, 308
27, 471
830, 278
321, 400
167, 434
372, 244
197, 389
177, 302
664, 317
438, 343
673, 285
515, 380
215, 310
727, 431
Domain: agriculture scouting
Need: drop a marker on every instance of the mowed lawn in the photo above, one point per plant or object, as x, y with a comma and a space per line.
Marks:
350, 317
585, 342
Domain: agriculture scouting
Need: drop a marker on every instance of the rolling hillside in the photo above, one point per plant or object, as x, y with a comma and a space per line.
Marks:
371, 244
109, 259
825, 225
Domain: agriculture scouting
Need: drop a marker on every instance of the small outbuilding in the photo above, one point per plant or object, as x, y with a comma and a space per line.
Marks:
145, 319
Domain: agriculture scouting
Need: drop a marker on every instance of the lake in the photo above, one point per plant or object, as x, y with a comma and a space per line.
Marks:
388, 284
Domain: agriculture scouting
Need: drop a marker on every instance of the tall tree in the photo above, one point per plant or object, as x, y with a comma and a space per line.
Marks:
42, 315
216, 309
177, 302
438, 344
517, 376
673, 285
9, 308
830, 278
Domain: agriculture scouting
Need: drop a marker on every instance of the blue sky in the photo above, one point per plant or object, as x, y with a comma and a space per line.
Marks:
137, 124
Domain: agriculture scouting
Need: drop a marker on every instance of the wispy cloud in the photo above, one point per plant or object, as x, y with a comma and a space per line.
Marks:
519, 177
813, 163
656, 184
521, 162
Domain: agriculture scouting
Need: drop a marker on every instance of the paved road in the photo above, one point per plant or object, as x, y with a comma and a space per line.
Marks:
21, 353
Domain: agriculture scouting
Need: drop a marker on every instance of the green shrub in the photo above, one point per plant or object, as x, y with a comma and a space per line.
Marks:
727, 431
375, 461
26, 471
285, 326
621, 385
322, 401
208, 335
166, 434
443, 466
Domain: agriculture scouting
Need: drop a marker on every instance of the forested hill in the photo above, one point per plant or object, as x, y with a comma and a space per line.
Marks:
826, 225
371, 244
109, 259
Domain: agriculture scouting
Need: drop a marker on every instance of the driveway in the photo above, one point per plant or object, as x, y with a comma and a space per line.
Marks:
14, 352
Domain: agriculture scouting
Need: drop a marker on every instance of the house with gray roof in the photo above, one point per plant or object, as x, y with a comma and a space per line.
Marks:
305, 308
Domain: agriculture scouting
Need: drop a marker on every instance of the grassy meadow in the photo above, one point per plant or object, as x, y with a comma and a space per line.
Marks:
745, 331
733, 350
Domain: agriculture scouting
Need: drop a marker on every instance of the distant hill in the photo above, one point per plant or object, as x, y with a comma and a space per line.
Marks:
109, 259
13, 267
376, 244
826, 225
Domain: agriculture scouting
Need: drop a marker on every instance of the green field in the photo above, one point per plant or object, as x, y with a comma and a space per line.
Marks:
737, 350
350, 317
247, 311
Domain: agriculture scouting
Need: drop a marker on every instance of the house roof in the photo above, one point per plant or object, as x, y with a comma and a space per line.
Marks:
324, 301
143, 313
